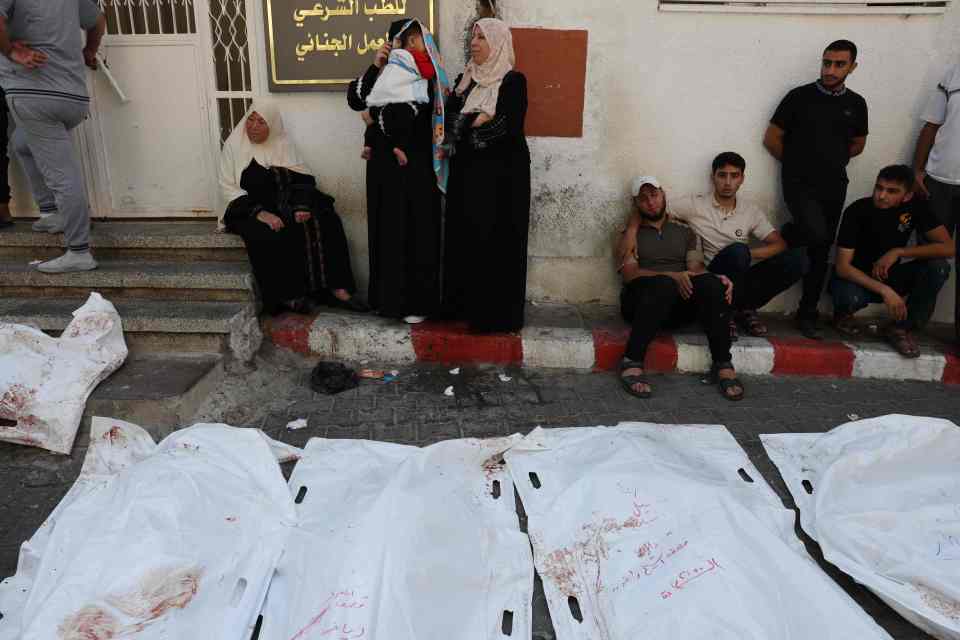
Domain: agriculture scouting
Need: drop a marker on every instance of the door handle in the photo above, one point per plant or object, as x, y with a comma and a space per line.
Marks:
102, 60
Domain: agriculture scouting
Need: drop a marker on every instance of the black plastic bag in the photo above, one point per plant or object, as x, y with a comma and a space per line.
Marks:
332, 378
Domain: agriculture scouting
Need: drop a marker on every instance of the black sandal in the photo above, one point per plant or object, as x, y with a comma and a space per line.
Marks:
629, 381
713, 377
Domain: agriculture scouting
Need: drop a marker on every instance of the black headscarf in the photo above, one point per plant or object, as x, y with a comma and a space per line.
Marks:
396, 27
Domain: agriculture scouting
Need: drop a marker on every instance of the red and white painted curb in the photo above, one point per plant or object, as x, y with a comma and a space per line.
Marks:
356, 338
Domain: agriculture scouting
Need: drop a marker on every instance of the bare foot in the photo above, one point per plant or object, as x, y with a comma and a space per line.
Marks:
341, 294
401, 157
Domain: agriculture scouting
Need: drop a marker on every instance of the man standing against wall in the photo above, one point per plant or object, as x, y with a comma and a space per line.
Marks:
936, 163
814, 132
42, 71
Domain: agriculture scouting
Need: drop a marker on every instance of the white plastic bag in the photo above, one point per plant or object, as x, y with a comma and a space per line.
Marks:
45, 382
882, 497
177, 542
401, 543
661, 531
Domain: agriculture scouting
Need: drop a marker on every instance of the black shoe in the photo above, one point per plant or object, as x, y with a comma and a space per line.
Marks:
6, 224
353, 304
807, 324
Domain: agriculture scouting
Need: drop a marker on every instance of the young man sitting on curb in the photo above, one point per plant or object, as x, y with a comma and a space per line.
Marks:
665, 283
725, 224
872, 241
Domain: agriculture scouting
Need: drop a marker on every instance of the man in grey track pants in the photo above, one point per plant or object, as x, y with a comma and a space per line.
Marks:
42, 71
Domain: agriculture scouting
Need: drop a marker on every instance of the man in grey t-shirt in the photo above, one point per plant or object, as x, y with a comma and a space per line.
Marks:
665, 283
42, 71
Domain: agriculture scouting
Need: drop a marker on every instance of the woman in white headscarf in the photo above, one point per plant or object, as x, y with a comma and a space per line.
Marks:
293, 235
488, 198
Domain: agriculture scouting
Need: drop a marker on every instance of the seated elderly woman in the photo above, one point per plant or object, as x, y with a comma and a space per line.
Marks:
293, 235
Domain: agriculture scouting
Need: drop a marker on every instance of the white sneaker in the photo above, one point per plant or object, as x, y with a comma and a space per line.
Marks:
69, 262
414, 319
53, 223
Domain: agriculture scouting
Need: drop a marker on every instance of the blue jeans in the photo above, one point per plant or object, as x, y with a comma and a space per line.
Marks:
756, 285
919, 282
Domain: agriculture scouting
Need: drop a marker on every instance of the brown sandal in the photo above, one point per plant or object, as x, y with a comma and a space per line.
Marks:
902, 341
847, 326
752, 324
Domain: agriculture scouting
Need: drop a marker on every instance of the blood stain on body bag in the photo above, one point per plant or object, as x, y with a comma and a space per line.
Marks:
115, 436
158, 592
15, 400
90, 324
561, 565
939, 602
90, 623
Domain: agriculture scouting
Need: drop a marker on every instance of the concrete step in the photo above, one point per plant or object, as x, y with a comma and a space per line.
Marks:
186, 241
158, 392
150, 326
594, 338
132, 279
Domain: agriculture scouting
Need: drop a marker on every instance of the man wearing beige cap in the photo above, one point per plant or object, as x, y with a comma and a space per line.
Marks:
665, 284
725, 224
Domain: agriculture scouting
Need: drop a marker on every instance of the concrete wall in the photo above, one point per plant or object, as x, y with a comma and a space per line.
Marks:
666, 92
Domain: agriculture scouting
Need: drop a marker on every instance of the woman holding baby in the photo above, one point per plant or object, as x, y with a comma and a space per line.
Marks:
401, 98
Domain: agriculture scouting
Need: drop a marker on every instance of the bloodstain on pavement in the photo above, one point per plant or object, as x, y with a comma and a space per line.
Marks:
158, 592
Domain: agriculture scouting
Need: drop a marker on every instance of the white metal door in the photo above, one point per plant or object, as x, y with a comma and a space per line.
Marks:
184, 67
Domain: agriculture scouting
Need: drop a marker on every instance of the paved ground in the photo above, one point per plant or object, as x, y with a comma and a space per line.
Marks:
413, 410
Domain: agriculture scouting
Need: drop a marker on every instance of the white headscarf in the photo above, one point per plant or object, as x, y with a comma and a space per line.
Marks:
489, 75
400, 81
276, 151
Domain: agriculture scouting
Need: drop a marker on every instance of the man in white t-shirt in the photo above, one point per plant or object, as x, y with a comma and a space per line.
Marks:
725, 225
937, 159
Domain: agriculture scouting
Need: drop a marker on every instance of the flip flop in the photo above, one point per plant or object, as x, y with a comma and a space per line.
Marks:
724, 384
629, 381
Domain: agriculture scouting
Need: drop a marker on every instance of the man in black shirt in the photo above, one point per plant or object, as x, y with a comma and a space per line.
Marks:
873, 238
815, 131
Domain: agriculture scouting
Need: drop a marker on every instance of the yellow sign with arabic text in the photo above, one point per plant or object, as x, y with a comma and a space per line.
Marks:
321, 45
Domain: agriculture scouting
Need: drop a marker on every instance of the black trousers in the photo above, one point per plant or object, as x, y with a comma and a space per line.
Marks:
299, 260
945, 205
650, 304
4, 155
816, 211
754, 285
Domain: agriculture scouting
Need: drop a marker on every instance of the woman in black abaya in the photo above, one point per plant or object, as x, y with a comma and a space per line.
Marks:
293, 235
488, 198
